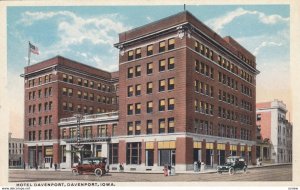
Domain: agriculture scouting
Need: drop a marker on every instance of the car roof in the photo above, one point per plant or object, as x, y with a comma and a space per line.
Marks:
235, 157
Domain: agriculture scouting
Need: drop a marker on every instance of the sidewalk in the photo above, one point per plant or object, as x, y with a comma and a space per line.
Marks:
210, 170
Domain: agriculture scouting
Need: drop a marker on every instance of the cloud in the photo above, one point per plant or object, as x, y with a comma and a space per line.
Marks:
218, 23
266, 44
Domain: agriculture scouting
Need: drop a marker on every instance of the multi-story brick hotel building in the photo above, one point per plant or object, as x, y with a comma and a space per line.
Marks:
55, 89
185, 94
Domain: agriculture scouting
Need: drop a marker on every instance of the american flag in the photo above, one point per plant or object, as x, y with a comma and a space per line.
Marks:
33, 49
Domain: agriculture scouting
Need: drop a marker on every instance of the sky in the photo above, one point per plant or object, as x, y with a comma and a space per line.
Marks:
87, 34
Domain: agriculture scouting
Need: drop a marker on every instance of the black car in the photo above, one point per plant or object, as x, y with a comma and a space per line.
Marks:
233, 164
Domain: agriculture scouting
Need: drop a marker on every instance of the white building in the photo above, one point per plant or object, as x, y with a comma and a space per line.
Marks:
15, 147
275, 128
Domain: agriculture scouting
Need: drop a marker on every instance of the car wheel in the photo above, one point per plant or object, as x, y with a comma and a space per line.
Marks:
98, 172
231, 171
75, 171
219, 172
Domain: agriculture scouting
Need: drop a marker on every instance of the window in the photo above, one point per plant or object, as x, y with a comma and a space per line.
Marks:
45, 119
46, 92
149, 126
70, 92
79, 81
197, 46
133, 153
138, 71
91, 110
196, 105
197, 65
162, 104
85, 95
162, 65
137, 127
40, 80
196, 85
149, 68
92, 84
102, 131
138, 53
46, 78
130, 91
129, 128
171, 44
211, 72
50, 119
161, 124
99, 86
129, 109
33, 95
40, 120
113, 153
149, 50
171, 63
40, 135
138, 89
84, 109
162, 84
65, 79
130, 55
258, 117
50, 105
70, 105
162, 46
103, 87
171, 125
211, 55
171, 83
79, 94
130, 72
46, 106
50, 91
85, 83
92, 96
79, 108
138, 108
64, 91
149, 87
70, 79
149, 107
171, 103
40, 107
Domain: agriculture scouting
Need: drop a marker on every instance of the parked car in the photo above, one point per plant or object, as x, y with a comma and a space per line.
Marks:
96, 165
233, 164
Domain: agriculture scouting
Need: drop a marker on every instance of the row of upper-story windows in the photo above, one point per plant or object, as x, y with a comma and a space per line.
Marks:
137, 89
204, 88
246, 119
227, 114
226, 64
204, 69
15, 145
16, 151
246, 105
47, 93
203, 127
164, 125
244, 58
204, 107
69, 106
204, 50
47, 135
87, 83
47, 107
89, 96
226, 80
245, 134
47, 120
246, 90
137, 53
137, 70
227, 131
162, 105
228, 98
46, 78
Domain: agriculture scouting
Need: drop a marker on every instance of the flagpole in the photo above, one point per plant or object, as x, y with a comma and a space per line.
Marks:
29, 53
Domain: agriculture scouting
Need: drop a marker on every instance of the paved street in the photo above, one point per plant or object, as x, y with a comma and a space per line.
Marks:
274, 173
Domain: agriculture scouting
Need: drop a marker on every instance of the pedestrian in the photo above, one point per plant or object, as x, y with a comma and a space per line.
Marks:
51, 164
55, 166
199, 165
36, 166
24, 165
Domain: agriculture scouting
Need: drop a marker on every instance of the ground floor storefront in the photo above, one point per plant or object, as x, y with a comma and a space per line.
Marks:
143, 153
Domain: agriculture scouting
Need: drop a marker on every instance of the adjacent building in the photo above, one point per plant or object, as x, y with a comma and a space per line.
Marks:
184, 94
55, 89
275, 132
15, 148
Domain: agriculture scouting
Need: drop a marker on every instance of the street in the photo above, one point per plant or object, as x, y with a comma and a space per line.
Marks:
274, 173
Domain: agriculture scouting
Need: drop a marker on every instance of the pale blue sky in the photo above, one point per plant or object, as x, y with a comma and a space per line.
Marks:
87, 34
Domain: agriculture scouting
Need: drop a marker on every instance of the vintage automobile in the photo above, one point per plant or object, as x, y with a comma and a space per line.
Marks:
96, 165
233, 164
